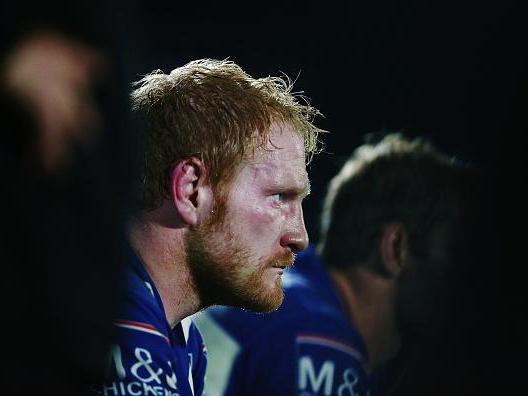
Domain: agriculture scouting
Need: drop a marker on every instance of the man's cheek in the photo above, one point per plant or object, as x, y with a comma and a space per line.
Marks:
258, 225
267, 223
262, 217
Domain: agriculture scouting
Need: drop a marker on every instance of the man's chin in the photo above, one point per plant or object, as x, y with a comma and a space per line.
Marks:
263, 303
260, 307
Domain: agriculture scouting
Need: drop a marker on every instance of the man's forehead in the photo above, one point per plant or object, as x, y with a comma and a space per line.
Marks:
283, 143
282, 156
267, 167
277, 154
281, 172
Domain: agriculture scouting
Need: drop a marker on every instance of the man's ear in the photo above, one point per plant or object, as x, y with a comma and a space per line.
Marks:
394, 248
191, 192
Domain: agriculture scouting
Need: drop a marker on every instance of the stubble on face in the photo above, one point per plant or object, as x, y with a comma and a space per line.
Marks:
225, 272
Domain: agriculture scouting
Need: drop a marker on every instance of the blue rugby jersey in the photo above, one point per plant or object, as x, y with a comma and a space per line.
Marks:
148, 357
307, 347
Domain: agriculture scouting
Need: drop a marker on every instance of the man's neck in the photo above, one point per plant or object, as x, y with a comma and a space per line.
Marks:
161, 249
370, 305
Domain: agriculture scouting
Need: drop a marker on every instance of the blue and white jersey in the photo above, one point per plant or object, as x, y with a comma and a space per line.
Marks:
148, 357
307, 347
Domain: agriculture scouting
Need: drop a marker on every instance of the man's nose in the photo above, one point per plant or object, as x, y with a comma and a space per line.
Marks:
296, 237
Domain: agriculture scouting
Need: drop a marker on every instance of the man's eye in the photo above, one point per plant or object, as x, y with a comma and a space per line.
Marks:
278, 197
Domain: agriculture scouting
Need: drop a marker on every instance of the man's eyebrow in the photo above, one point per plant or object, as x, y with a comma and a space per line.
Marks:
301, 191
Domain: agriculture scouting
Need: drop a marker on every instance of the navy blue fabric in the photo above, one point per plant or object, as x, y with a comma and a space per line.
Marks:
148, 357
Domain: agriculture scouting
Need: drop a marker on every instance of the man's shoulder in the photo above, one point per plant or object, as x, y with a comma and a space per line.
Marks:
310, 344
247, 328
147, 356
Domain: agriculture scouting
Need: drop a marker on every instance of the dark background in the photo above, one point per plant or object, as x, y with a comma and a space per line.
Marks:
452, 71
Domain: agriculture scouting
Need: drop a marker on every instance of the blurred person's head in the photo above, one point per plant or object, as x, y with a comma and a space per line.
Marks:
225, 160
55, 79
397, 211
